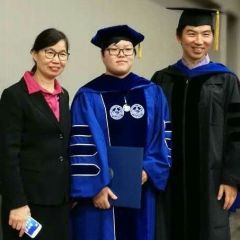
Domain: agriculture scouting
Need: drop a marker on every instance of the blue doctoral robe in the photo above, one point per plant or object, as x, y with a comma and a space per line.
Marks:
99, 121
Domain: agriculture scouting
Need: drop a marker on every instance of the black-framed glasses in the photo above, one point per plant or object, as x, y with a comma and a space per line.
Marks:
116, 51
62, 56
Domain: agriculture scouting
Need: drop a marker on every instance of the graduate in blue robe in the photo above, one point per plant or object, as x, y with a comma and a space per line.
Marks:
118, 108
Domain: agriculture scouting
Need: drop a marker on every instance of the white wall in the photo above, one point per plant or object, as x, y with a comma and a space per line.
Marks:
22, 20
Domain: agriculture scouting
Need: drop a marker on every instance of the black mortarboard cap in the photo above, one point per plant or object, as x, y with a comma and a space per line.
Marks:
198, 17
119, 31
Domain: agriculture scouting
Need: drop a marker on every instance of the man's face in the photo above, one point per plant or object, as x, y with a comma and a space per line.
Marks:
196, 42
119, 64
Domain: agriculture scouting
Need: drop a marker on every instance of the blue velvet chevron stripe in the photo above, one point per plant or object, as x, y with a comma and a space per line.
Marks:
82, 150
80, 130
169, 143
84, 170
168, 126
168, 134
83, 144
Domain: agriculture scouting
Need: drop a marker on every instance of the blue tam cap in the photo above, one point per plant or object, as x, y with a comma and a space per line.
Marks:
104, 36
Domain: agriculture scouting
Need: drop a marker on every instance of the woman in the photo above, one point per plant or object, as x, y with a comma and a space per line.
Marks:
118, 108
34, 128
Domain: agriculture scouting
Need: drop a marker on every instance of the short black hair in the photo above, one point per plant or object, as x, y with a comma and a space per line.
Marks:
49, 37
180, 29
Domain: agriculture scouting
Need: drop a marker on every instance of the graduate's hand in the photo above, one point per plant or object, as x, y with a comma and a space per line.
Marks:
101, 199
18, 218
229, 193
144, 177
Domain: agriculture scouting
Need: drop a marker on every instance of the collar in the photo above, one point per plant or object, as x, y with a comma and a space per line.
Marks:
33, 86
204, 61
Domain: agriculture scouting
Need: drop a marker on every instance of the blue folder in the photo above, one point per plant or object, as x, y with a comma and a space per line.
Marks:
126, 171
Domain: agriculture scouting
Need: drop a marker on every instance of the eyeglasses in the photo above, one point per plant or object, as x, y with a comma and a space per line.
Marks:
116, 51
50, 54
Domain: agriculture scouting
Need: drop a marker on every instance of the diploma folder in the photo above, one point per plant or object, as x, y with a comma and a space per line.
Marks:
126, 172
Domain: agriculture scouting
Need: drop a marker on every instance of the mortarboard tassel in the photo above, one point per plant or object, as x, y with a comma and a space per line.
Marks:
139, 51
217, 32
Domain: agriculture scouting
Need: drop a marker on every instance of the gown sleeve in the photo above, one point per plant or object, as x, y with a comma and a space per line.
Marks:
88, 158
157, 160
231, 165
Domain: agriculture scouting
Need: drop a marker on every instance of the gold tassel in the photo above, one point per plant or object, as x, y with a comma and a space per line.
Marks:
216, 32
139, 51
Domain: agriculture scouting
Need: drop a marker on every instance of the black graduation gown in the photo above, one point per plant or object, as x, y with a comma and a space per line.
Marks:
205, 111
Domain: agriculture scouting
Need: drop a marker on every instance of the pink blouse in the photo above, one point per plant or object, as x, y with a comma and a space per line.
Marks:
51, 98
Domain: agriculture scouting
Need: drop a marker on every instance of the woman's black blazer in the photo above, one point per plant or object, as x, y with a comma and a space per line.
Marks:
33, 148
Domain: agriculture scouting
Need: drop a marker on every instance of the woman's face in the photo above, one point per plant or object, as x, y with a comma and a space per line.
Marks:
118, 58
51, 61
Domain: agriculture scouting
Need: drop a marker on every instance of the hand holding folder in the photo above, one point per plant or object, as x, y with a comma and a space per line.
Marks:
126, 171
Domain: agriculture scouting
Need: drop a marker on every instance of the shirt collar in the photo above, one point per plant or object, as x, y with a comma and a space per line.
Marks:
34, 87
204, 61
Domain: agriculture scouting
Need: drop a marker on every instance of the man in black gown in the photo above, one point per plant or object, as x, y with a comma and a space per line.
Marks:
205, 106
